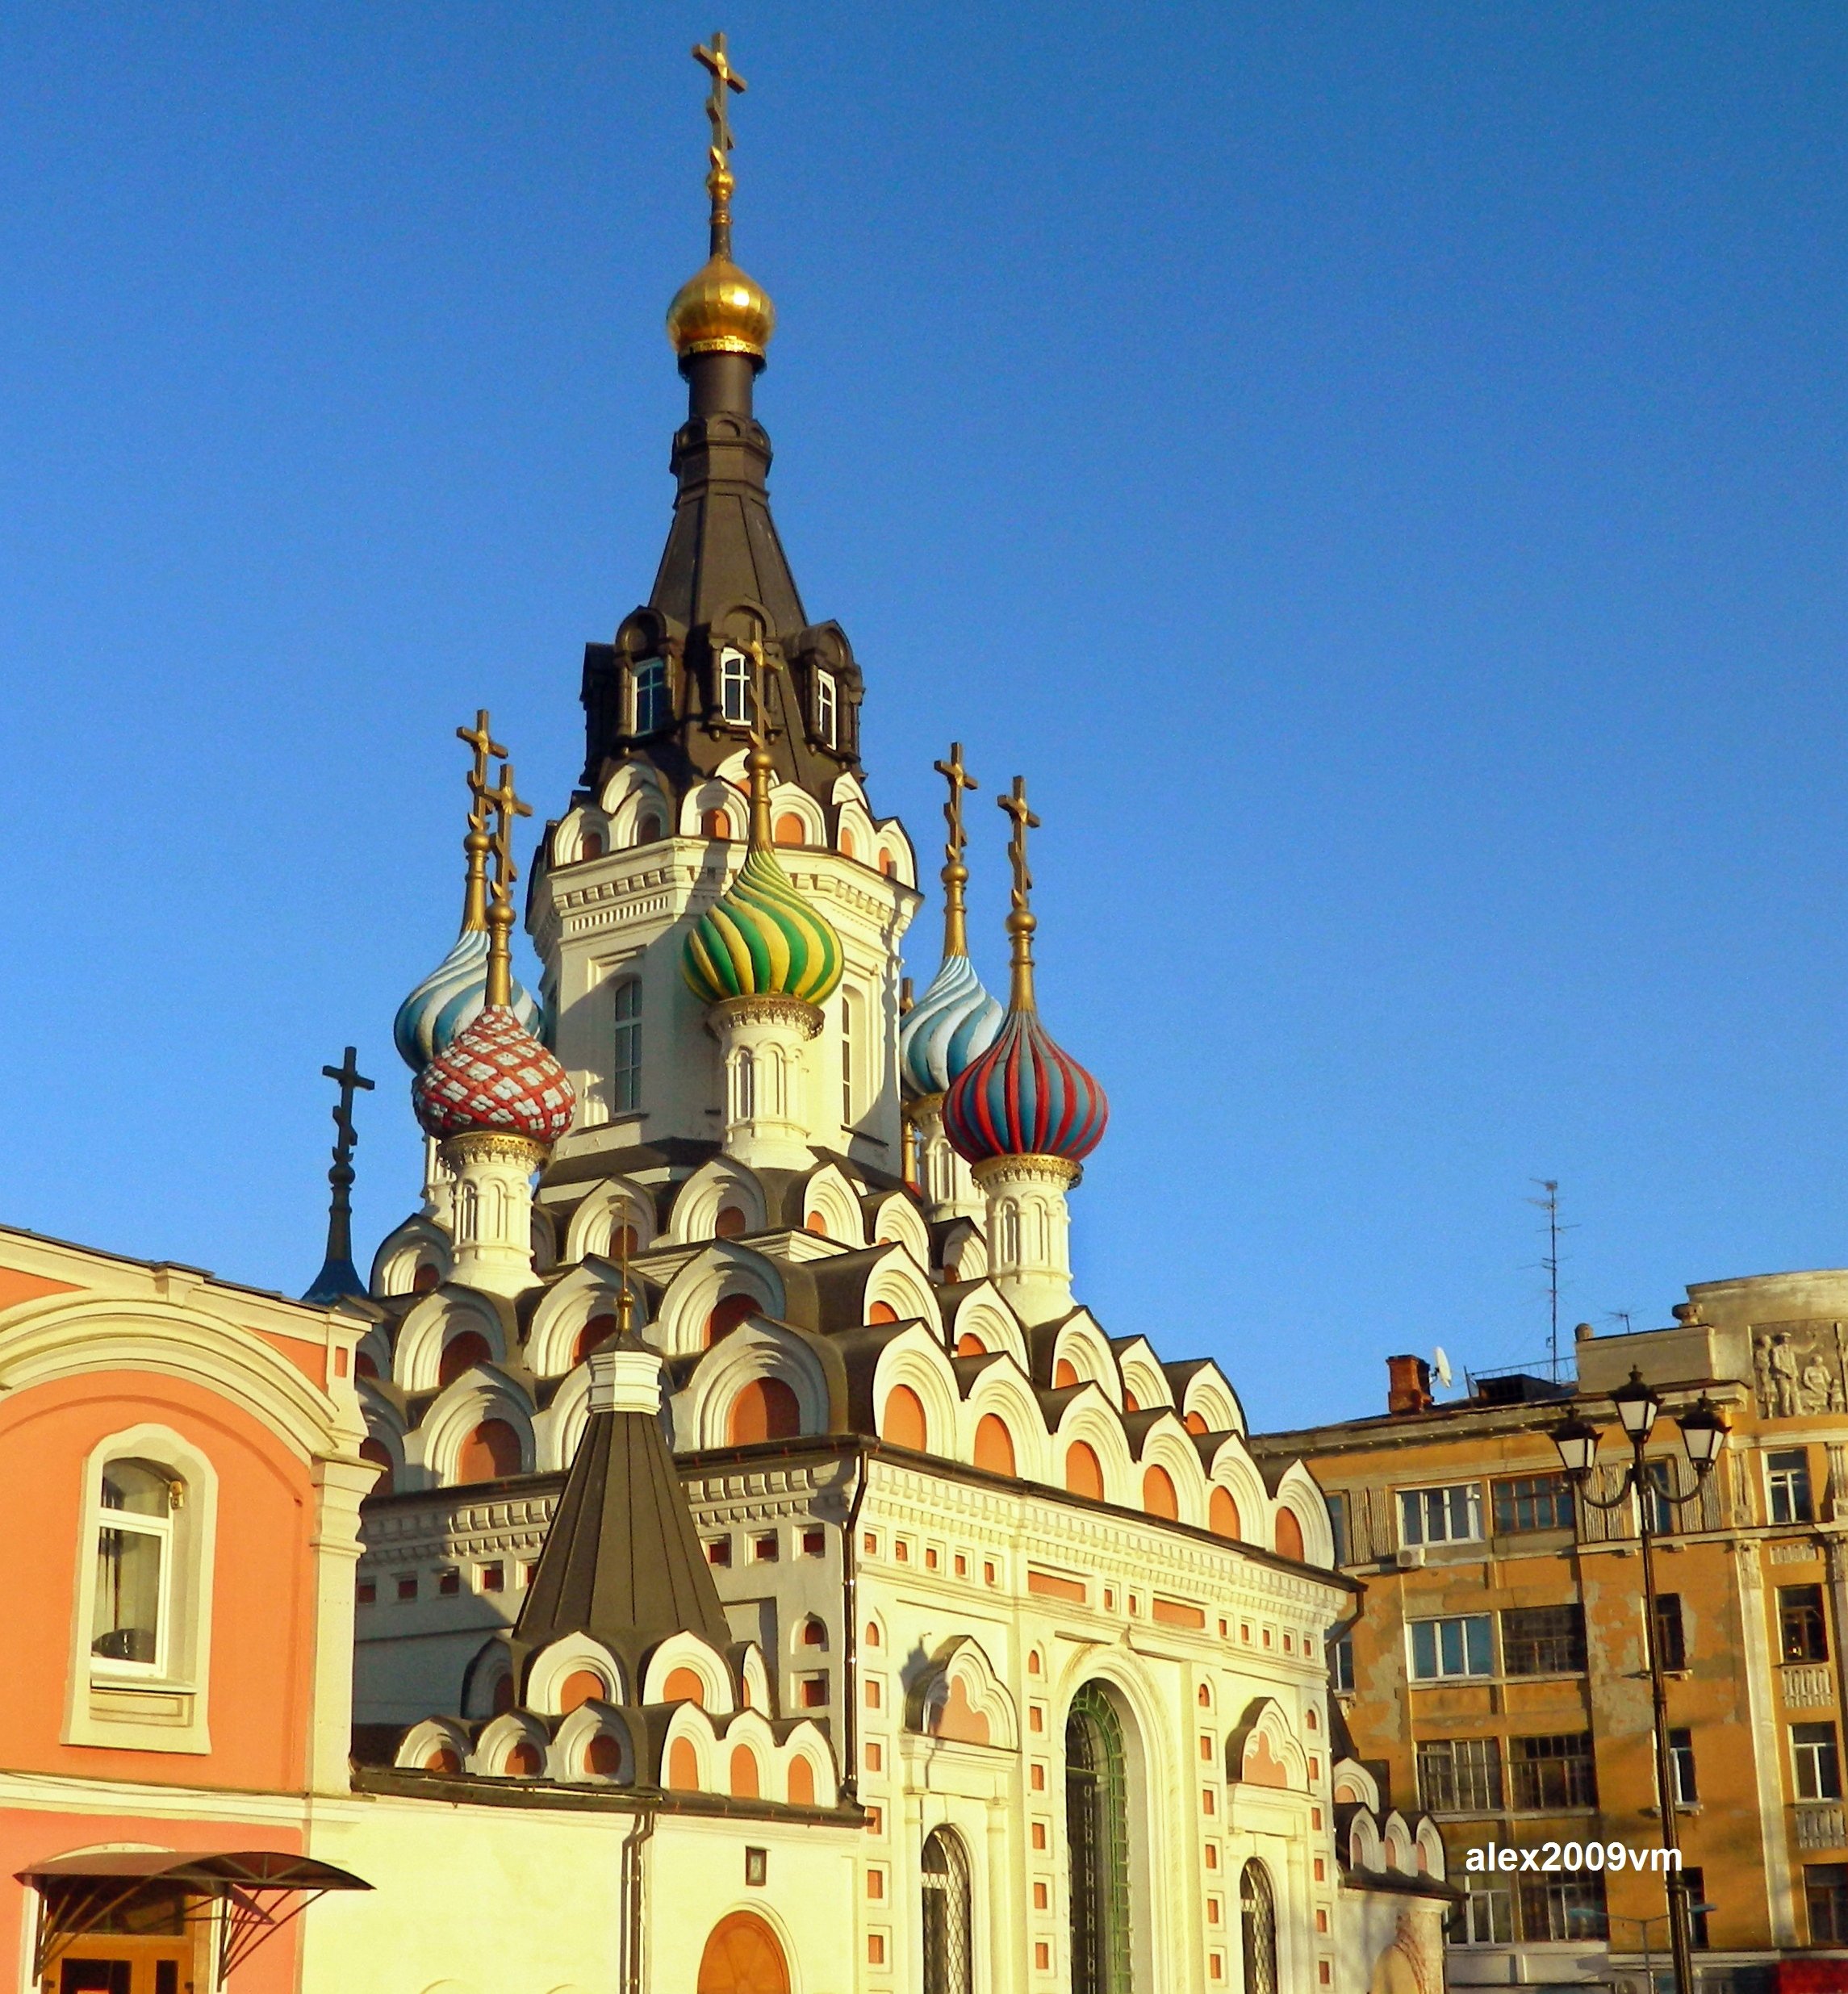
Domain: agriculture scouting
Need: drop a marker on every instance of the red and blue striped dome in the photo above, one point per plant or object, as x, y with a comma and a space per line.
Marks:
1024, 1097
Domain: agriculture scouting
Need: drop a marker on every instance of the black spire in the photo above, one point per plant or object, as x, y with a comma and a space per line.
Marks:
338, 1276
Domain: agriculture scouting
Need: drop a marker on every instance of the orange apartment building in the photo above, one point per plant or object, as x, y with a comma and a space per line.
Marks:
1498, 1670
181, 1474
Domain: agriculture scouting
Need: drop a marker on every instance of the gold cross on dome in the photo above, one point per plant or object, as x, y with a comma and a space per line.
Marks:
506, 805
480, 736
954, 874
1024, 820
724, 78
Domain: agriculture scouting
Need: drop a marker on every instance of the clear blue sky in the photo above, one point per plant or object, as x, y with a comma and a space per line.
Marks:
1378, 470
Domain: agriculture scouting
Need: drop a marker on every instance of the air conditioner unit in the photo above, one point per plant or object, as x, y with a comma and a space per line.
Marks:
1409, 1557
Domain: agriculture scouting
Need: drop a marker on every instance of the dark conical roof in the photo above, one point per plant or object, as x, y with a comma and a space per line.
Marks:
622, 1561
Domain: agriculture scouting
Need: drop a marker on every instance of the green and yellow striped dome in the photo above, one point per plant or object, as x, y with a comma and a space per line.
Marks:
761, 939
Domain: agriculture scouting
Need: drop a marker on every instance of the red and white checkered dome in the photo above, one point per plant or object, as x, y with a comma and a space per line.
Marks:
494, 1078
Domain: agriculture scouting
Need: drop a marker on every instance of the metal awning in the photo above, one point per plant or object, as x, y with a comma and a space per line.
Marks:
251, 1887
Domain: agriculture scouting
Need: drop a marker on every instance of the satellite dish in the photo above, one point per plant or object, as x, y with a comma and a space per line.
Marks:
1440, 1365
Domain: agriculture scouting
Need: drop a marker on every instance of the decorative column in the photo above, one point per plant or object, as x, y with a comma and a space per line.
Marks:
1029, 1233
763, 1041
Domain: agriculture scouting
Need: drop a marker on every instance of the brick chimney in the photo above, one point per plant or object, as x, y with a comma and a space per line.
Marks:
1408, 1384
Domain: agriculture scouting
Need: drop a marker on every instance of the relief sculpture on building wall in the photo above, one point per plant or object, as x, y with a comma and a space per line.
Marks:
1800, 1368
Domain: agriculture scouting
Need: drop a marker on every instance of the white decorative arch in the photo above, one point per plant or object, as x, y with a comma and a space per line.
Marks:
807, 1741
1430, 1848
420, 1241
854, 820
720, 1269
893, 1219
1365, 1850
1167, 1445
421, 1743
964, 1249
960, 1699
554, 1665
1208, 1394
428, 1328
615, 1203
1234, 1470
686, 1650
754, 1679
716, 794
1263, 1751
1079, 1342
498, 1738
831, 1205
914, 1357
749, 1731
559, 1429
691, 1723
1001, 1389
592, 1288
1090, 1416
702, 1408
718, 1182
577, 827
473, 1398
1143, 1380
981, 1313
631, 792
384, 1424
1296, 1491
1397, 1838
791, 799
491, 1665
572, 1741
1350, 1781
902, 1285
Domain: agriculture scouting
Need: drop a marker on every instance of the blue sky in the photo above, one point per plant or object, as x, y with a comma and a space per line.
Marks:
1378, 470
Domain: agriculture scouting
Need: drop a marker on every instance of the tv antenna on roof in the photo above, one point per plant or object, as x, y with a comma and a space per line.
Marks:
1549, 1204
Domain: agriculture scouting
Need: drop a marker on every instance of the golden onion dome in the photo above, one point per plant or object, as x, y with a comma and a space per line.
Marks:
720, 310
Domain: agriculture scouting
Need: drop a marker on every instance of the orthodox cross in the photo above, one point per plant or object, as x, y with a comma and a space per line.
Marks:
477, 844
338, 1275
1020, 922
955, 874
719, 181
506, 805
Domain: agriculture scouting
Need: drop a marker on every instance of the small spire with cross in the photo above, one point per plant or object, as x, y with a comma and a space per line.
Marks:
1020, 921
478, 843
719, 180
955, 874
506, 804
338, 1276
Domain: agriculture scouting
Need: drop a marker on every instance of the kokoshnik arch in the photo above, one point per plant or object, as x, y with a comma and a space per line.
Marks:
764, 1545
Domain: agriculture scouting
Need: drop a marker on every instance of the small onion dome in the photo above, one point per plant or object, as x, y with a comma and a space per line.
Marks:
761, 939
450, 998
953, 1021
719, 310
494, 1078
1024, 1097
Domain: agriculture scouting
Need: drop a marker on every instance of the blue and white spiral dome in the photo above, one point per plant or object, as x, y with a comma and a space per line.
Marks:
952, 1024
449, 999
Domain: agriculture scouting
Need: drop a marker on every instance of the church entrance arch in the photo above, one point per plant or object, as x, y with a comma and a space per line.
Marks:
743, 1957
1096, 1836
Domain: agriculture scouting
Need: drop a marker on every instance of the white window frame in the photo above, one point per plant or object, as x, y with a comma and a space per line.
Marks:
735, 679
1783, 1480
1466, 1674
1487, 1894
1415, 1514
1806, 1761
651, 703
850, 1068
131, 1706
827, 707
625, 1047
130, 1523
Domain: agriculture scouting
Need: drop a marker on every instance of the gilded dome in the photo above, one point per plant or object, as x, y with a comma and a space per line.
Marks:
719, 310
761, 939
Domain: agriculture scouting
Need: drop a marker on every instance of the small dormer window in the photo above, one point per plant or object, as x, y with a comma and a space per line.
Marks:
825, 723
734, 686
650, 695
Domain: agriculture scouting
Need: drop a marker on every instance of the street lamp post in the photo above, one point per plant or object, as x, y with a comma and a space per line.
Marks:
1704, 1434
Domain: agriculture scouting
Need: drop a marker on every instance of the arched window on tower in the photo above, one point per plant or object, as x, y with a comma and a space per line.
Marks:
946, 1887
1097, 1840
849, 1056
827, 726
734, 686
625, 1061
1257, 1922
715, 823
651, 696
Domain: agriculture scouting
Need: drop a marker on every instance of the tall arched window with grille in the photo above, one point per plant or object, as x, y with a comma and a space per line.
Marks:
1097, 1838
1257, 1919
625, 1059
946, 1885
650, 695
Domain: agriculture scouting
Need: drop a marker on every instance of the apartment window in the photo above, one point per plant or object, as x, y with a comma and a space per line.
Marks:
1670, 1633
1531, 1503
1543, 1640
826, 724
1681, 1768
626, 1062
1548, 1772
1341, 1662
1802, 1631
1337, 1505
1559, 1908
1485, 1918
1697, 1906
1786, 1485
650, 695
1460, 1775
1826, 1893
1664, 1511
1452, 1515
1441, 1649
134, 1543
734, 686
1816, 1761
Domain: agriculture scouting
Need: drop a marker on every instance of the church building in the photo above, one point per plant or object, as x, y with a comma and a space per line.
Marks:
774, 1579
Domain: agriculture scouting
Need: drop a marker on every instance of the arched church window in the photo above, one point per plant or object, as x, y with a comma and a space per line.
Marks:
590, 845
888, 865
765, 1409
1257, 1921
904, 1424
651, 696
1097, 1839
378, 1452
626, 1062
741, 1956
1288, 1534
790, 830
1223, 1515
425, 1278
734, 686
1159, 1497
649, 829
944, 1877
715, 823
827, 722
490, 1452
1084, 1472
849, 849
994, 1445
801, 1783
592, 1333
727, 1314
461, 1353
730, 1223
849, 1056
